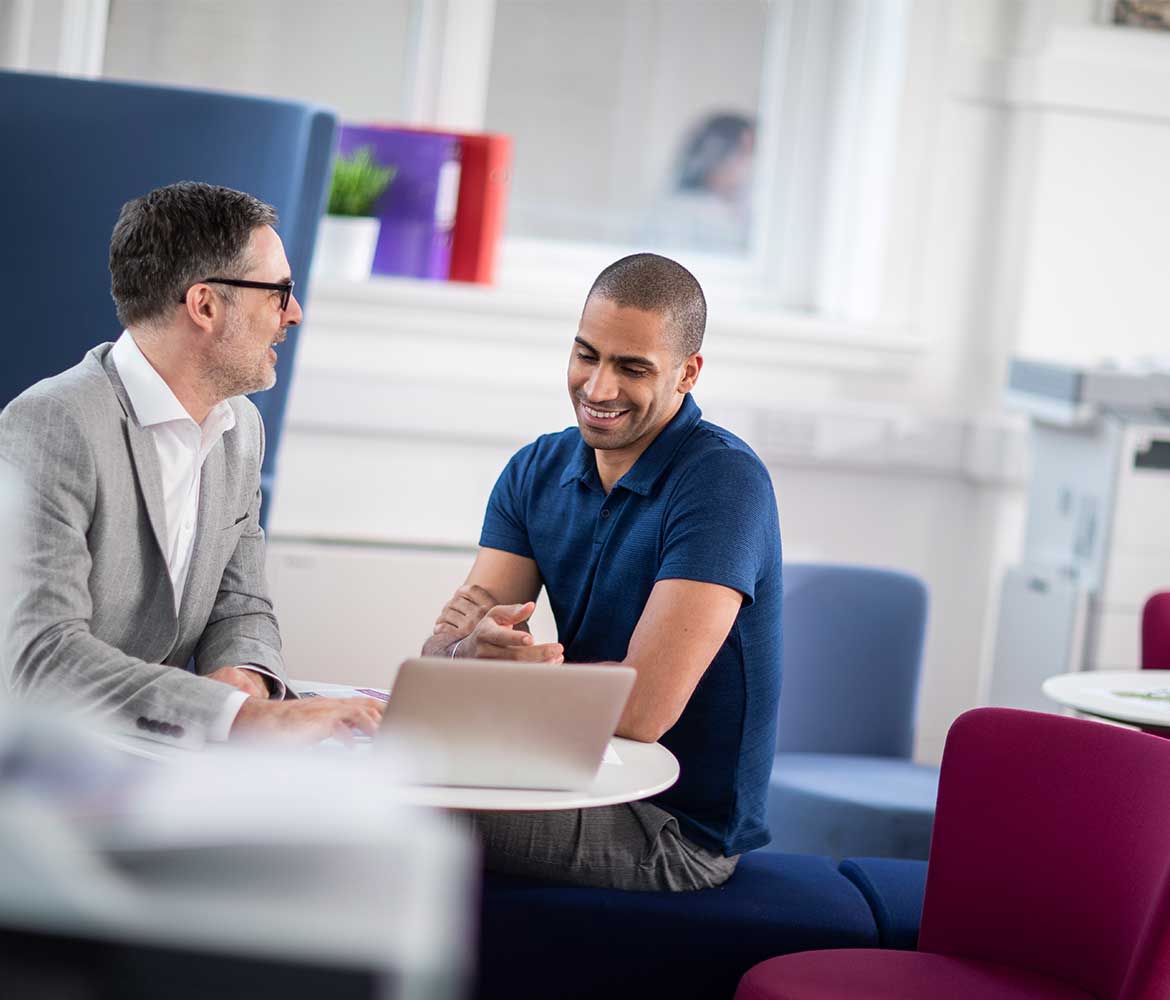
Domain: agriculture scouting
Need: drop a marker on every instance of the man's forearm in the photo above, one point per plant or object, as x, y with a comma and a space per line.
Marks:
241, 642
242, 627
66, 664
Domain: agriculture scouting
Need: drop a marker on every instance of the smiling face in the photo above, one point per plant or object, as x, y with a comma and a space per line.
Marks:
626, 381
243, 358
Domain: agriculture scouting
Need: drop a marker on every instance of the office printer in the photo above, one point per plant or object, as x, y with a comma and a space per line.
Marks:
1097, 539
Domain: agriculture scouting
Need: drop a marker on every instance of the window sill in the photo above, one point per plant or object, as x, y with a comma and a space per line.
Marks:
534, 314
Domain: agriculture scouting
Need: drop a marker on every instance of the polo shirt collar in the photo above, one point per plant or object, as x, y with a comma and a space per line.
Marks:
656, 459
651, 464
152, 399
582, 467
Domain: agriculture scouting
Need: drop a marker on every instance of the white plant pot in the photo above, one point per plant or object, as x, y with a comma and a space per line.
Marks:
345, 247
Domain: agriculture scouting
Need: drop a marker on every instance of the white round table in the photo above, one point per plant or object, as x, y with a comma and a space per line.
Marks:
639, 771
1138, 697
645, 769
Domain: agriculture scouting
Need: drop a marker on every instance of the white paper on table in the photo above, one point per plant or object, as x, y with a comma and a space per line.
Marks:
611, 755
341, 691
1123, 700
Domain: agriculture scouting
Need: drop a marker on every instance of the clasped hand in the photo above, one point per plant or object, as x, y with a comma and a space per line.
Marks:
491, 631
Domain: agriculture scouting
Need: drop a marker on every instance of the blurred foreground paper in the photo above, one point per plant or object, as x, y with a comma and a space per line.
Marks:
243, 874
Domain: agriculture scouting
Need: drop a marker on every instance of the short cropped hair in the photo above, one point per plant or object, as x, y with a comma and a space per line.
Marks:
175, 236
657, 284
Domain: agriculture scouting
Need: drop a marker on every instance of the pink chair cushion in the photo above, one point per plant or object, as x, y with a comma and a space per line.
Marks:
872, 974
1156, 632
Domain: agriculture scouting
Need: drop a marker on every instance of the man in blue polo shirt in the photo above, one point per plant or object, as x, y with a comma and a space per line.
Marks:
656, 536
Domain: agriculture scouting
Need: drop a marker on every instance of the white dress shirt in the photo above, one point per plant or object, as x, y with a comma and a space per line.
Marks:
182, 445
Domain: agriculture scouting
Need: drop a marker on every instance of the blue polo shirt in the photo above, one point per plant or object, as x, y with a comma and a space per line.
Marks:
697, 505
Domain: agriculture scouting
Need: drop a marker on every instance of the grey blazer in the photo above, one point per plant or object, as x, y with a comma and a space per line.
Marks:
94, 620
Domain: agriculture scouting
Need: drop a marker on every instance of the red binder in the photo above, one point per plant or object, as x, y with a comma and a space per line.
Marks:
484, 179
483, 201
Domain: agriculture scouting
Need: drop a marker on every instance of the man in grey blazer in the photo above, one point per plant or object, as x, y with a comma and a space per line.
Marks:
144, 552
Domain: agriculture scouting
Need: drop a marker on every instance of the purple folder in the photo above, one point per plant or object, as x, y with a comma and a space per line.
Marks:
418, 208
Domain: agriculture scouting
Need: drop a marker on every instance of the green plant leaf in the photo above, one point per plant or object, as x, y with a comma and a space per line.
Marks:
358, 181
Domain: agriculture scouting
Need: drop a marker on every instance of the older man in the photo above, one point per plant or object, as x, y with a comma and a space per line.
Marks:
656, 536
145, 552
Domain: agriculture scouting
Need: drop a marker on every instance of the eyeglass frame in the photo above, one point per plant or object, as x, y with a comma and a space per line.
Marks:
284, 287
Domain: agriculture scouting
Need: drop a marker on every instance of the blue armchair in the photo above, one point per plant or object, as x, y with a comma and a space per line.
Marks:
77, 150
843, 783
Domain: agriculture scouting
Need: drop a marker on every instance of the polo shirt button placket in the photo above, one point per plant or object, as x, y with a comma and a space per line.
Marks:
604, 523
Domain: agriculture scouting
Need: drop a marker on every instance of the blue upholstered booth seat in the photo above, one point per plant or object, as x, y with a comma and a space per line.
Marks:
547, 941
76, 150
894, 888
847, 804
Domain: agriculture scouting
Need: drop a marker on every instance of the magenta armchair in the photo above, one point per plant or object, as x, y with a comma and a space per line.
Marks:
1049, 875
1156, 632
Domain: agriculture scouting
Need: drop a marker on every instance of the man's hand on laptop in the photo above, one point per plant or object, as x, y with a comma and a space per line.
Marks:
502, 634
308, 720
248, 681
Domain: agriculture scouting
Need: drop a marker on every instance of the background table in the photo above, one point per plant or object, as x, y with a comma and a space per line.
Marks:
1094, 692
645, 769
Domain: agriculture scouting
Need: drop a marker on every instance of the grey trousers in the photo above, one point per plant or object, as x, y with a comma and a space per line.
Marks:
635, 846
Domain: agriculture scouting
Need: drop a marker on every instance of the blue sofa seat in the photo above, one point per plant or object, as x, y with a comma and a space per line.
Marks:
541, 940
894, 888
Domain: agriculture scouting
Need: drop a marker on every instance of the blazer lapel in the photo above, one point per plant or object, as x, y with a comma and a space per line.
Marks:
202, 575
145, 456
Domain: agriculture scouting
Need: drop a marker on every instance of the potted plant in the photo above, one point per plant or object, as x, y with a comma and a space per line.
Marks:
348, 235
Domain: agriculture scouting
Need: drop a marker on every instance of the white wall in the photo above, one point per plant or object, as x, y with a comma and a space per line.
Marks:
277, 48
1097, 226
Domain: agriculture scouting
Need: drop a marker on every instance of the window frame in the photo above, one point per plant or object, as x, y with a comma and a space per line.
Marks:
55, 36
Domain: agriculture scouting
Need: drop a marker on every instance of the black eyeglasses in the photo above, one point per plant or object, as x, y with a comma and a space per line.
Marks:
284, 287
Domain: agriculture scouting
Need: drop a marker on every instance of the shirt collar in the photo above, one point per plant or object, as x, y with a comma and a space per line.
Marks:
152, 399
651, 464
582, 467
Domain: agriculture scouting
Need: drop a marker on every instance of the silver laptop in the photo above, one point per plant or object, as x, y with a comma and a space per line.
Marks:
495, 724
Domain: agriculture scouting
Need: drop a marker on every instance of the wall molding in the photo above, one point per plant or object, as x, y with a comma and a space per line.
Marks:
1092, 70
518, 315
